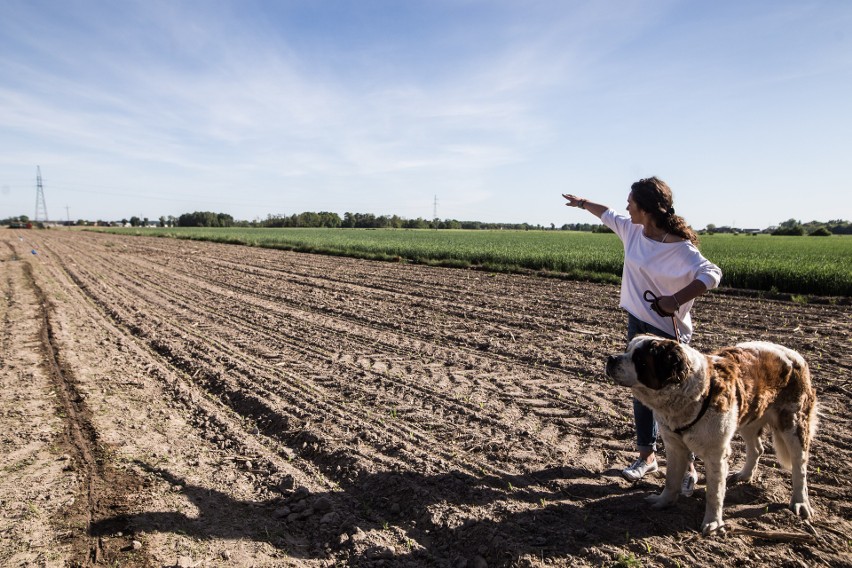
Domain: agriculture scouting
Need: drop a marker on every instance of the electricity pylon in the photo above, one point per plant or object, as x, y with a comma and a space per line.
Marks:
41, 206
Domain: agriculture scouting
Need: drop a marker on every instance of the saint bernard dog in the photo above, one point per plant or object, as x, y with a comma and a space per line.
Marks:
700, 401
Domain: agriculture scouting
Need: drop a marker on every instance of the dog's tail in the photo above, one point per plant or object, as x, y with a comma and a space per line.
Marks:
790, 442
782, 450
799, 439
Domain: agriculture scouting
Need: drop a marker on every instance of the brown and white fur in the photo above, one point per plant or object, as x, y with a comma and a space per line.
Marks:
755, 385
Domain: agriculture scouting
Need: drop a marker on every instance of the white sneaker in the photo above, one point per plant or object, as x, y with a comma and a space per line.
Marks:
638, 469
687, 486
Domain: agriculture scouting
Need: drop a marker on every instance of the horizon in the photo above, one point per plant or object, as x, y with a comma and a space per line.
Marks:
128, 218
261, 108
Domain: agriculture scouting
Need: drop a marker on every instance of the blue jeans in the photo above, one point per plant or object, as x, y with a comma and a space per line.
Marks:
643, 417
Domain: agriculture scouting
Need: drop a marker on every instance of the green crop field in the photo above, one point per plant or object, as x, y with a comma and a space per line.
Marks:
792, 265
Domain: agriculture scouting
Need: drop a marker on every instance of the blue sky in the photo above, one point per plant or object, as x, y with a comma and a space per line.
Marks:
374, 106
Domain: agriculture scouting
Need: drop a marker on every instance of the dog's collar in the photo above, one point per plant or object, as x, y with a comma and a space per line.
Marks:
704, 406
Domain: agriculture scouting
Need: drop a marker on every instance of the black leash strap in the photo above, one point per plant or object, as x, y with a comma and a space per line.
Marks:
701, 412
654, 300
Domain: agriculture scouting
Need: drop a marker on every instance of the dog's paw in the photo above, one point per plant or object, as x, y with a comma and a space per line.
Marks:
660, 501
712, 526
741, 477
802, 510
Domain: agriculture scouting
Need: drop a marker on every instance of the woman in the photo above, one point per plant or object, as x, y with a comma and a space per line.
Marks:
660, 255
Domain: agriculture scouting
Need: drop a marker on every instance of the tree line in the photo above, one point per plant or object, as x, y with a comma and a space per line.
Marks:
326, 219
814, 228
795, 228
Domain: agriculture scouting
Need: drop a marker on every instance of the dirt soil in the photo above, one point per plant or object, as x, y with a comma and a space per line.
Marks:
176, 403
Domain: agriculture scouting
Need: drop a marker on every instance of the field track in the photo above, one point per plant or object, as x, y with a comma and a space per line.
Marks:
180, 403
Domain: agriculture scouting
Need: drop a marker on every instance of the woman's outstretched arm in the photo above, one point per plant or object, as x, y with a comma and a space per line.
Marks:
595, 209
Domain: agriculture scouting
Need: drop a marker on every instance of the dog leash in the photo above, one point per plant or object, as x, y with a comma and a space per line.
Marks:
654, 300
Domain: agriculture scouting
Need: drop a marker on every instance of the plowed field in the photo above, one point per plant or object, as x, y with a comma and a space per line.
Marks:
175, 403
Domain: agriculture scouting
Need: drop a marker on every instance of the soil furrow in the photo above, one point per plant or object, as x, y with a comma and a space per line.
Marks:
258, 409
105, 489
276, 332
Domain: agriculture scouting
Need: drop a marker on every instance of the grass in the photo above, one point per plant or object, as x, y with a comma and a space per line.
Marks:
820, 266
792, 265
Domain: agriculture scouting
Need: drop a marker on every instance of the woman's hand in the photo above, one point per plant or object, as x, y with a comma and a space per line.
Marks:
573, 200
668, 306
664, 306
581, 203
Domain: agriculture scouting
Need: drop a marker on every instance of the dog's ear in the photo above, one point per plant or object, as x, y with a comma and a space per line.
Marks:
659, 363
674, 367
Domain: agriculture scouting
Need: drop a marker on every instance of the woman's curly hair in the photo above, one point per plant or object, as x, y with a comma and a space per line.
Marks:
654, 196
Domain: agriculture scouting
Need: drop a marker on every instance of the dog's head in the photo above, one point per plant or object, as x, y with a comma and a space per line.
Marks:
651, 362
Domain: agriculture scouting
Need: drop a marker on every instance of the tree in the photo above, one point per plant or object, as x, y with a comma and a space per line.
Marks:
839, 227
790, 227
205, 219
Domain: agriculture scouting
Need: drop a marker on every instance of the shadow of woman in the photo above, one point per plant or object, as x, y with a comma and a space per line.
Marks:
414, 518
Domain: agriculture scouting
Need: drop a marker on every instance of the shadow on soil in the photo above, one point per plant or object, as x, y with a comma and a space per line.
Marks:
446, 519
